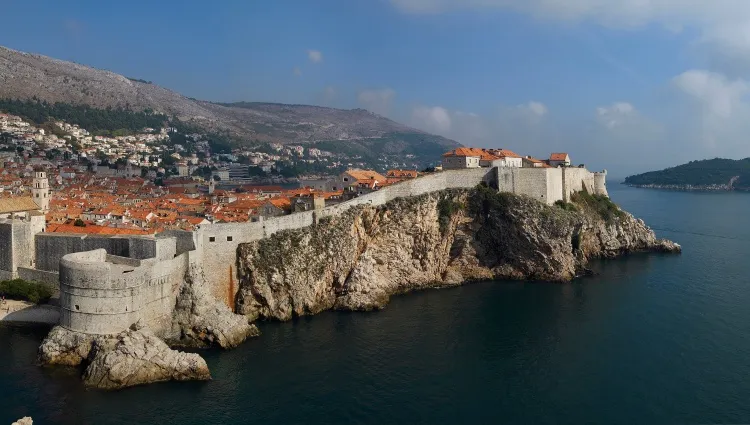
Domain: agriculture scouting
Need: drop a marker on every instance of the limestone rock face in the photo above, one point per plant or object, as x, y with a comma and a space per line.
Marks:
24, 421
357, 260
138, 357
65, 347
200, 320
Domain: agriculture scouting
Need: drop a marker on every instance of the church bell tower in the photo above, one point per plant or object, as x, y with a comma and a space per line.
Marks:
40, 190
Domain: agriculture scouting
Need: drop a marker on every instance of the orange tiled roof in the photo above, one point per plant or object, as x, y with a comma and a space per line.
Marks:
505, 153
366, 175
402, 173
560, 156
481, 153
94, 229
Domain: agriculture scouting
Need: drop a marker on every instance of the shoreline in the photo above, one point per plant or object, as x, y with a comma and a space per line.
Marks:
687, 188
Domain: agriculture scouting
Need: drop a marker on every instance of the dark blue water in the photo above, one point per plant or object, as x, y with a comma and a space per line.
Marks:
651, 339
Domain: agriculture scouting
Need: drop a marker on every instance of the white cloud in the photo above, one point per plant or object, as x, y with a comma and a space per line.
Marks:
315, 56
615, 115
719, 95
723, 25
435, 119
378, 101
536, 108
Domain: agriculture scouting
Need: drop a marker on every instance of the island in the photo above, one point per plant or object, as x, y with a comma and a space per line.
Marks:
717, 174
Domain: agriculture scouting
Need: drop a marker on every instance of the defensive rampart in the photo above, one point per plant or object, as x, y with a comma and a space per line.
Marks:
109, 283
104, 294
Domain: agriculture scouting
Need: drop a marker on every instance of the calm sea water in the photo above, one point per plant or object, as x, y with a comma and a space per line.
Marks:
651, 339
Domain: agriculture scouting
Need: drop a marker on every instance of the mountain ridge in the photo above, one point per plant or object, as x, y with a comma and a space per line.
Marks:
27, 76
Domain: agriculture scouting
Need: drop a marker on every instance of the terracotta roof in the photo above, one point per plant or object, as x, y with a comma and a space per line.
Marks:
561, 156
505, 153
481, 153
402, 173
366, 175
17, 204
94, 229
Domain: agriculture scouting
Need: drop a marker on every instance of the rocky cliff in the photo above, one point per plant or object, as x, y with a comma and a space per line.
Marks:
357, 260
139, 356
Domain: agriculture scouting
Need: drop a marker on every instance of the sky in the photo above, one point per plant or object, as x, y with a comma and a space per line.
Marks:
623, 85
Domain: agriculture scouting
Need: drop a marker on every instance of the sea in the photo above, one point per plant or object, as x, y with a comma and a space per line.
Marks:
650, 339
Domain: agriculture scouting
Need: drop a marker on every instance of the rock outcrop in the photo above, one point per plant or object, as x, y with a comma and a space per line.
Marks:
133, 357
136, 357
24, 421
200, 320
65, 347
357, 260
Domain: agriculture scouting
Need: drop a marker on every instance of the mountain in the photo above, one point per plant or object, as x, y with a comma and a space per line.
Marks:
709, 174
28, 76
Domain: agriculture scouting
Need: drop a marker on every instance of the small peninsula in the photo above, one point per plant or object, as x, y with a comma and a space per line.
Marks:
706, 175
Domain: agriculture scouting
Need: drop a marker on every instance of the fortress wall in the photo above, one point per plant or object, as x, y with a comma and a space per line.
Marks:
542, 184
158, 294
184, 240
220, 254
51, 247
554, 179
34, 275
104, 294
600, 183
506, 180
90, 301
17, 244
6, 253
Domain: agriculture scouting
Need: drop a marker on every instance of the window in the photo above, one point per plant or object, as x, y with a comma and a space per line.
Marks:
229, 239
77, 308
212, 239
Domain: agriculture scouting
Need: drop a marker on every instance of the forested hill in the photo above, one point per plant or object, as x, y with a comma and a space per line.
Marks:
709, 174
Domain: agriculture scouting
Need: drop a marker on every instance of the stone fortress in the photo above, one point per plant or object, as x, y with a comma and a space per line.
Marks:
108, 283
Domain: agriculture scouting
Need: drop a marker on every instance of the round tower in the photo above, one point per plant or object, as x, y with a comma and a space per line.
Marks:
600, 183
211, 186
40, 190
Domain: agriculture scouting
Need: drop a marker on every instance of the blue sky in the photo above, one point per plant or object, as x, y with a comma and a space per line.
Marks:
627, 84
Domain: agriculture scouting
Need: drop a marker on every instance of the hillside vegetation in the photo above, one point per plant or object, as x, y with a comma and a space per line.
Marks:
99, 121
710, 173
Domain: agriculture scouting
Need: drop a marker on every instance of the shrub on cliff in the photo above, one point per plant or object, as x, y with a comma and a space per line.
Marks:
599, 204
567, 206
19, 289
446, 209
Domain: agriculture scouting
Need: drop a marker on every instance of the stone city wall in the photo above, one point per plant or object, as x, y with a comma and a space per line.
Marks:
108, 283
17, 244
51, 247
35, 275
104, 294
220, 241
